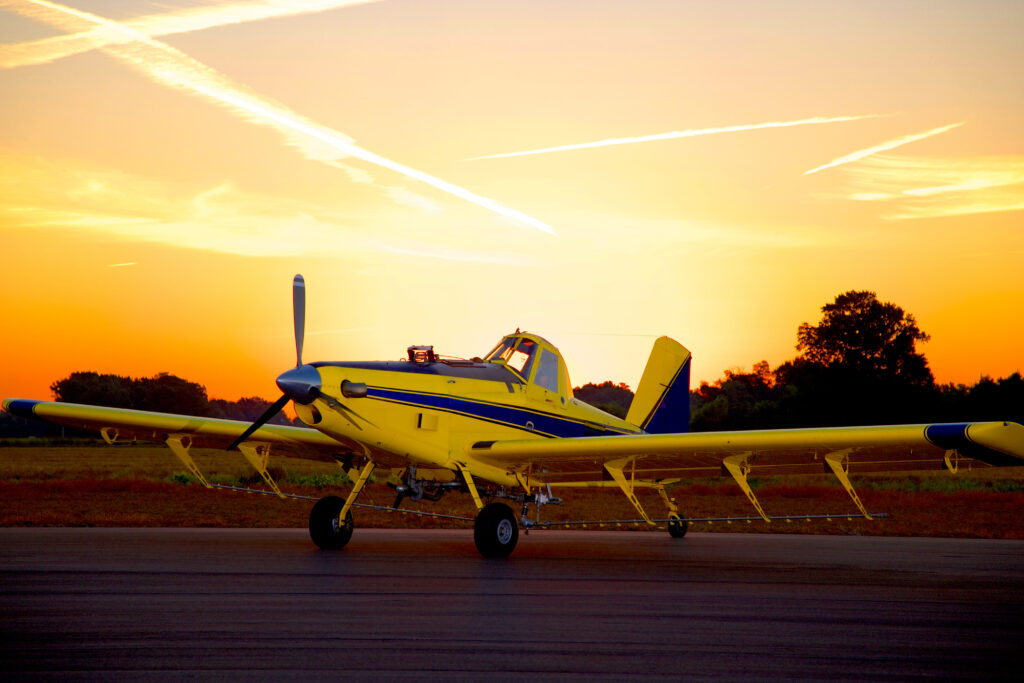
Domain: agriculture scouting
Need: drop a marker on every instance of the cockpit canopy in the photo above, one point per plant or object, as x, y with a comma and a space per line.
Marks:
535, 360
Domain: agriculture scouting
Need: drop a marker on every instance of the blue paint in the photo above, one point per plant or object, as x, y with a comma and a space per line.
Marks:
672, 414
954, 437
544, 424
22, 407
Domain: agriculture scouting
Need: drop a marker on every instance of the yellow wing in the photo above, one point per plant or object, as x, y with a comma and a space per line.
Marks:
203, 432
657, 457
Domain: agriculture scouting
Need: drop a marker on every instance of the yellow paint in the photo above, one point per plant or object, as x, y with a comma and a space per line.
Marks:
180, 445
615, 469
664, 364
258, 455
357, 487
839, 463
738, 467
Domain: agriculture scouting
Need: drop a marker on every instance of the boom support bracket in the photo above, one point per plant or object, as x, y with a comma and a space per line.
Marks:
739, 467
951, 460
616, 469
179, 445
839, 462
258, 456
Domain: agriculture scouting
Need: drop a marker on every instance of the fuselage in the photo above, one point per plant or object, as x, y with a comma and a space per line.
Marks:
430, 411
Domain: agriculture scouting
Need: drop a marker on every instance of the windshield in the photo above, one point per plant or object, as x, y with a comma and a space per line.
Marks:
502, 350
519, 356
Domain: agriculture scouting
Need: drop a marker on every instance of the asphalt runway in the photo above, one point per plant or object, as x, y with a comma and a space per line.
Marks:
131, 604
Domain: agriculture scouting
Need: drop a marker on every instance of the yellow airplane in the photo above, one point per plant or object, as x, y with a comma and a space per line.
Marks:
507, 427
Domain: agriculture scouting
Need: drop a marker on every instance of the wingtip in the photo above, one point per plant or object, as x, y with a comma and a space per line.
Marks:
20, 407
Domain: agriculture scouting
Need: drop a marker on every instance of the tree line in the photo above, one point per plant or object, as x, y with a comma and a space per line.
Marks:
859, 365
163, 393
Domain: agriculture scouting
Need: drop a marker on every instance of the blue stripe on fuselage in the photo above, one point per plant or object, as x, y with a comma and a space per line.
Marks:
544, 424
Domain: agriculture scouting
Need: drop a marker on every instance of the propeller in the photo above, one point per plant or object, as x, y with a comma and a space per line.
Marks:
299, 315
300, 384
270, 412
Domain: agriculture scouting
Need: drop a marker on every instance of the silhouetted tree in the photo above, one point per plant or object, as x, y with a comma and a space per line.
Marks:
989, 399
864, 335
245, 409
163, 393
94, 389
740, 400
607, 396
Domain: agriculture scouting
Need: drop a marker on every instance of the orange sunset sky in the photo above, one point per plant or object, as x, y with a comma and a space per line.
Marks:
167, 167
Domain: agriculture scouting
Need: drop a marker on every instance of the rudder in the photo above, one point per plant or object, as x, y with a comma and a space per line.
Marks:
662, 401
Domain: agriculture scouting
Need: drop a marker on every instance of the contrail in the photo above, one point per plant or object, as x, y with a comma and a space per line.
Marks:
183, 20
172, 67
682, 134
891, 144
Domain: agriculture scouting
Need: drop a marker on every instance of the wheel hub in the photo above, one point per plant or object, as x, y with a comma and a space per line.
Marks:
504, 531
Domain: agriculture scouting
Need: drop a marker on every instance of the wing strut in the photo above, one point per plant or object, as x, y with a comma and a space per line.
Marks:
739, 468
614, 468
258, 456
839, 462
179, 445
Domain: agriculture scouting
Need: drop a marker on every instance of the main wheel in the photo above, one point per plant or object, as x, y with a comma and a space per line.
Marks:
677, 529
496, 532
325, 527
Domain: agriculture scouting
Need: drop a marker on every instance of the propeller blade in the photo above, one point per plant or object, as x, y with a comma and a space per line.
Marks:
299, 314
262, 420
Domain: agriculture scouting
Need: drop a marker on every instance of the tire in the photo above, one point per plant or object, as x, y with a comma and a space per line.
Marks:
678, 528
495, 531
324, 528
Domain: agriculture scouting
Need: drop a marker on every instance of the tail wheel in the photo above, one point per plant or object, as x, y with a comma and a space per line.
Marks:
325, 527
496, 532
677, 529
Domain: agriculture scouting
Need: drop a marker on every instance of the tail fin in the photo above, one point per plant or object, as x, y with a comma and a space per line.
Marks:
662, 401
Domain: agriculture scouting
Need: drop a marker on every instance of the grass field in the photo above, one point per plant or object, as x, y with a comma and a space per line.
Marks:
144, 485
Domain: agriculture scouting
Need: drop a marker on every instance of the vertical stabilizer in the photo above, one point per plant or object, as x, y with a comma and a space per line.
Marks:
662, 401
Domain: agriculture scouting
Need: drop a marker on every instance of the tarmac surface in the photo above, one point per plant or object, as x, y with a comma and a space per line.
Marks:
170, 604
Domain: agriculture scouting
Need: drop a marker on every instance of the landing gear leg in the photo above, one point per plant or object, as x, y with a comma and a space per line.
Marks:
678, 527
330, 521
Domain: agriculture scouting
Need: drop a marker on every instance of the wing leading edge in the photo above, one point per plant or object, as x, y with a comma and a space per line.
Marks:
769, 452
152, 426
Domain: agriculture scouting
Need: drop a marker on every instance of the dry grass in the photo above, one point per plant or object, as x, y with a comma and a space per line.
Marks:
135, 486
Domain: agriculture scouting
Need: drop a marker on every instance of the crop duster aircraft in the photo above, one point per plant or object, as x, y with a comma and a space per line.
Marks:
506, 427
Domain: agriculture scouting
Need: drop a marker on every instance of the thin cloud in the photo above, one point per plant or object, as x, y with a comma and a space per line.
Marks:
123, 265
69, 194
183, 20
682, 134
919, 187
171, 67
422, 251
884, 147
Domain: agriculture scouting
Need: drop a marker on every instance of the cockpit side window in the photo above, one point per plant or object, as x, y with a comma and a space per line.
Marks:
547, 371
